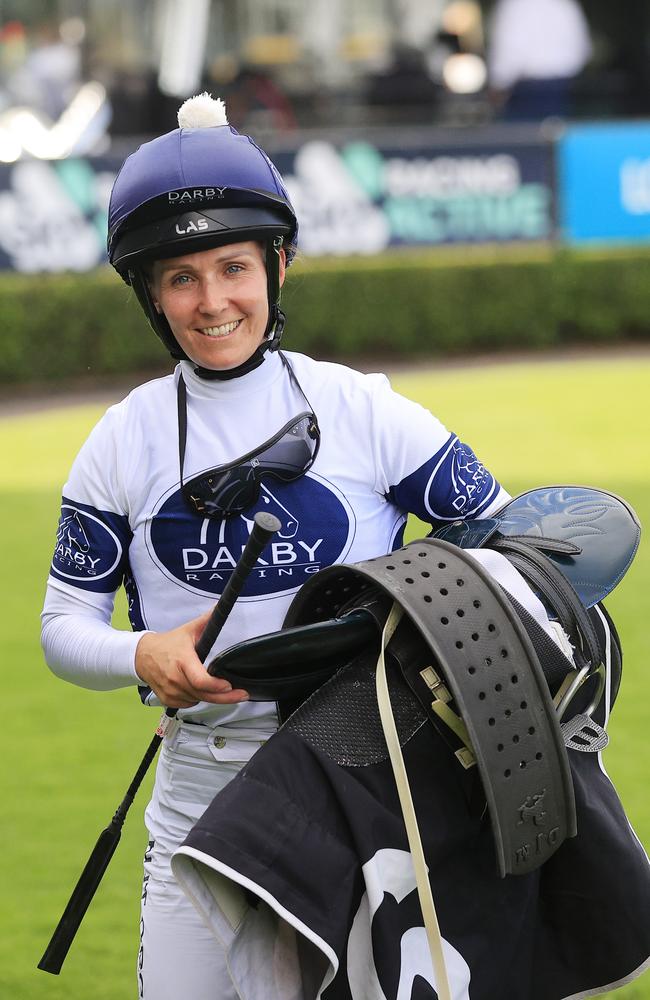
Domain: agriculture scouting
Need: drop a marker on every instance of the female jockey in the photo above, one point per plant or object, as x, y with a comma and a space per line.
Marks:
163, 492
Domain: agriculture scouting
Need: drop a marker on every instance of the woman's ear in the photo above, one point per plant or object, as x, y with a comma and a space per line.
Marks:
283, 265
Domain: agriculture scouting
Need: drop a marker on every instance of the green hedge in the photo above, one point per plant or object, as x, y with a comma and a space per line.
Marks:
57, 327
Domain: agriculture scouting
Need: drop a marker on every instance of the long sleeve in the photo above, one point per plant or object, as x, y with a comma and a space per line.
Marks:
80, 644
89, 564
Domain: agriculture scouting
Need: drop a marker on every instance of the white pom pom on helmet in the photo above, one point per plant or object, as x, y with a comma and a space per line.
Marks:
200, 186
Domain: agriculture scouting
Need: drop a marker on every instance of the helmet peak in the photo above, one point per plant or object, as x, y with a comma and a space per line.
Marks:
202, 111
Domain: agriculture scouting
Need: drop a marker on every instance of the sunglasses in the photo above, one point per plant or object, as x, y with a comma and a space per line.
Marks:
229, 490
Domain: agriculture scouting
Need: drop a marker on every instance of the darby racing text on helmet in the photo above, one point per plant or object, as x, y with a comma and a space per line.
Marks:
200, 186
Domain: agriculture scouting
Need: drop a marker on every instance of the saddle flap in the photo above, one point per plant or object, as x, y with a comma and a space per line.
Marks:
603, 525
295, 661
490, 667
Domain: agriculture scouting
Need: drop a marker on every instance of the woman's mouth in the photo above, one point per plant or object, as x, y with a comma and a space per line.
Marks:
220, 331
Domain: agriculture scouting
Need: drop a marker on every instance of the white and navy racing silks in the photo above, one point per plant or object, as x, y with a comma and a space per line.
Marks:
124, 520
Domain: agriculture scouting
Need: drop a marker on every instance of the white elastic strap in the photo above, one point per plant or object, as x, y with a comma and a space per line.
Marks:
607, 693
408, 812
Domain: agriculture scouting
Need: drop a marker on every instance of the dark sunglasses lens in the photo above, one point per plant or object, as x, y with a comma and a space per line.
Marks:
223, 494
291, 456
230, 491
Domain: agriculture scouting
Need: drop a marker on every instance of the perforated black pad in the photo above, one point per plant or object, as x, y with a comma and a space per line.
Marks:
347, 726
489, 664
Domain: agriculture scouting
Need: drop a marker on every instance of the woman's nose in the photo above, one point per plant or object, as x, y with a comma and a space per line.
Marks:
212, 297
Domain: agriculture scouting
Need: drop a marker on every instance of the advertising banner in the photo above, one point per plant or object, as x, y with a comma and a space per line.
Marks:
604, 184
355, 198
53, 214
364, 198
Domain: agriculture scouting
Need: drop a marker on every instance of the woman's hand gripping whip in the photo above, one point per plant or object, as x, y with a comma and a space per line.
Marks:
264, 527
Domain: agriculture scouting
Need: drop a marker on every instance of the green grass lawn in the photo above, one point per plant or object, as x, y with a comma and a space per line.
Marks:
69, 753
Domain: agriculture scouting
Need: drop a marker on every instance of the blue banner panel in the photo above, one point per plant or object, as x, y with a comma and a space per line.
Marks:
354, 198
53, 214
604, 184
364, 198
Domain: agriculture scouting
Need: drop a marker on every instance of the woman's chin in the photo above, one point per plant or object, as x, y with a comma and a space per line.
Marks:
223, 355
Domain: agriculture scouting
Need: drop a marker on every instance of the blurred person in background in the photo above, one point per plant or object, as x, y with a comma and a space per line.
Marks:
13, 52
536, 49
405, 87
51, 73
254, 95
162, 494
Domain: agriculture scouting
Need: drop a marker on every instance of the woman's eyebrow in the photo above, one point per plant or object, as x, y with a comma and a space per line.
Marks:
233, 255
172, 265
166, 266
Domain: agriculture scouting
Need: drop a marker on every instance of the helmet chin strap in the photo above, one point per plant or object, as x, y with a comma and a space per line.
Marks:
272, 334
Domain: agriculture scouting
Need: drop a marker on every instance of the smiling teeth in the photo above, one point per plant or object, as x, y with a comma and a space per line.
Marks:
220, 331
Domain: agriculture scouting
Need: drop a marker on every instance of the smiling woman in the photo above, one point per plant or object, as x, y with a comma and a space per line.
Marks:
164, 491
215, 302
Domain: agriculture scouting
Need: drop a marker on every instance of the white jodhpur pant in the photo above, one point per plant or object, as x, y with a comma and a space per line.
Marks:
179, 956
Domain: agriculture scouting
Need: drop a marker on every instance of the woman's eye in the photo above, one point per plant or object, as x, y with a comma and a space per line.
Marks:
234, 268
180, 279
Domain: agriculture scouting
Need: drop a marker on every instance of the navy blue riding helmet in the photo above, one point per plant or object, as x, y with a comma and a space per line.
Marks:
201, 186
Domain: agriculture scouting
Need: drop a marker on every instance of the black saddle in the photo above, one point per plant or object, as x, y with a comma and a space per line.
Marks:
573, 545
485, 674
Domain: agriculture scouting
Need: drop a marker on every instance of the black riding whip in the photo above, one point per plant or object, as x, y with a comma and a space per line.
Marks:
264, 527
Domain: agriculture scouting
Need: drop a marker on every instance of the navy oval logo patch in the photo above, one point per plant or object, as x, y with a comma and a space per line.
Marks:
86, 548
201, 553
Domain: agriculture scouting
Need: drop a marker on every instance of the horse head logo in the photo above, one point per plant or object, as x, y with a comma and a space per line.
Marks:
71, 533
468, 476
270, 503
266, 501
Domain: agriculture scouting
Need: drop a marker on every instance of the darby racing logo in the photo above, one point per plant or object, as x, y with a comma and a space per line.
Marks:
317, 526
472, 482
86, 547
188, 195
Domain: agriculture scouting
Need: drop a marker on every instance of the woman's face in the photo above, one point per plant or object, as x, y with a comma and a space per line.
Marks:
215, 301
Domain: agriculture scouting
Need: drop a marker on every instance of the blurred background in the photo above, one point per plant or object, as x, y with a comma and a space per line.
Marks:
496, 154
429, 122
472, 182
453, 138
288, 66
